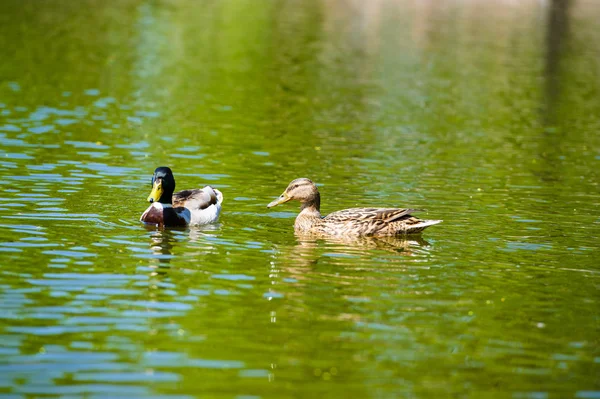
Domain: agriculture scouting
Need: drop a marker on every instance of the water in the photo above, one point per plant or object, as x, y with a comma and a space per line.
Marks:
485, 114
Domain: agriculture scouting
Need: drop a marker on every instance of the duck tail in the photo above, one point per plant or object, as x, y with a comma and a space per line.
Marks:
219, 196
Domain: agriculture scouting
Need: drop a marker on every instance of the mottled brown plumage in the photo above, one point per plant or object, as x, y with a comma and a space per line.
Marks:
353, 221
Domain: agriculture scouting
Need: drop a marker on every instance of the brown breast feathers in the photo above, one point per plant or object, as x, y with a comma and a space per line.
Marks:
163, 217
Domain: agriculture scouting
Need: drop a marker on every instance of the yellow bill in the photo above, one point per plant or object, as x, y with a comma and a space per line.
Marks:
283, 198
157, 191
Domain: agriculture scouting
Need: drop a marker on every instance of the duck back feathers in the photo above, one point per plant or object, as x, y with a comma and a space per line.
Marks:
373, 222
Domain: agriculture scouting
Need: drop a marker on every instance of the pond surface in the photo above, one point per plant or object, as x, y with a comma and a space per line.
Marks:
485, 114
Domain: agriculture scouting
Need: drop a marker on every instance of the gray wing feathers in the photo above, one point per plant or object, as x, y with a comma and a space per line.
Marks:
195, 199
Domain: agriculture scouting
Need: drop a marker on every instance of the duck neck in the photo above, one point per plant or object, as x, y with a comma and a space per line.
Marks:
311, 207
166, 198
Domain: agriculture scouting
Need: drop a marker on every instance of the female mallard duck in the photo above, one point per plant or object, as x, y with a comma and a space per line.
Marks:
351, 222
185, 208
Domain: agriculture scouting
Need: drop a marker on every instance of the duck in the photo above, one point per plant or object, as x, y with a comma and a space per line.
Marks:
376, 222
184, 208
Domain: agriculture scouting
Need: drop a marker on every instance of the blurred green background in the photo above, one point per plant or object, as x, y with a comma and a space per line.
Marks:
485, 113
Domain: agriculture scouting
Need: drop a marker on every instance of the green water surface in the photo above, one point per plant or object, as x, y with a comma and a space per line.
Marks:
485, 113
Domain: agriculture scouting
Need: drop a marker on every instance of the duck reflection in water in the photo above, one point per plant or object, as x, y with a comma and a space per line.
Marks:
161, 245
309, 249
352, 245
162, 241
405, 245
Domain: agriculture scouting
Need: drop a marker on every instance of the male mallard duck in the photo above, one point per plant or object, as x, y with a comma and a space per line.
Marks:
353, 221
185, 208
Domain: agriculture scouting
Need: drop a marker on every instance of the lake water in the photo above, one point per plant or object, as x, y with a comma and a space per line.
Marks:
487, 114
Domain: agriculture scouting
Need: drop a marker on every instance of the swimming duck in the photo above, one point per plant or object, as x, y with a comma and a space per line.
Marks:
351, 222
184, 208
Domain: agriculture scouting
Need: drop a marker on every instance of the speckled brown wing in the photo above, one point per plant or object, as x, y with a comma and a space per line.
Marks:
369, 221
387, 215
195, 199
